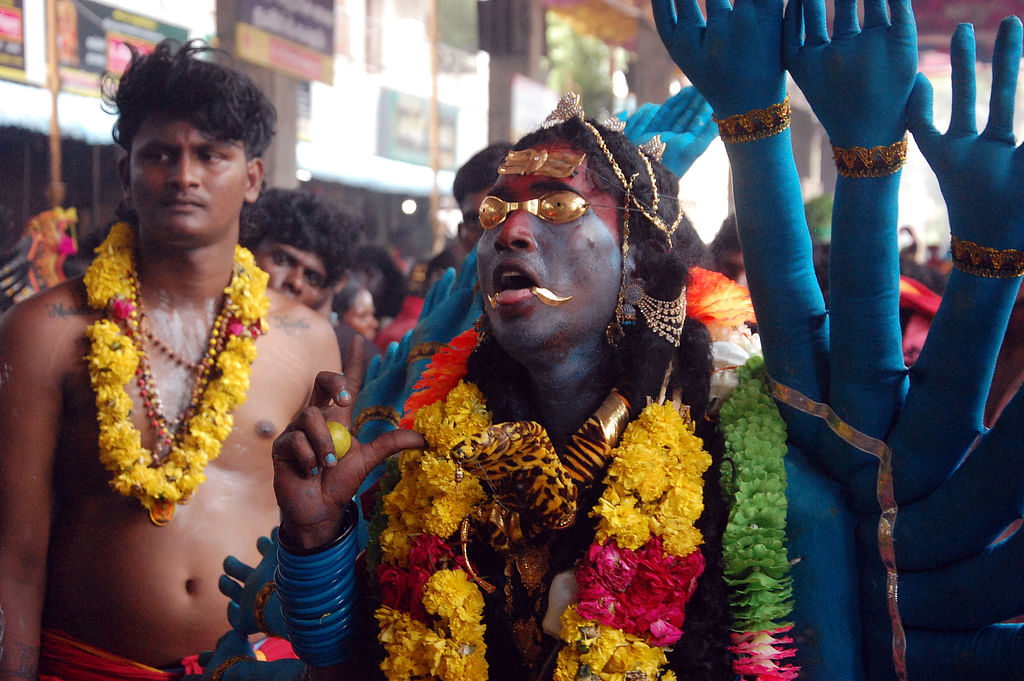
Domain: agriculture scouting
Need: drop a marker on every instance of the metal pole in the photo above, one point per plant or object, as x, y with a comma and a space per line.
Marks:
435, 150
57, 191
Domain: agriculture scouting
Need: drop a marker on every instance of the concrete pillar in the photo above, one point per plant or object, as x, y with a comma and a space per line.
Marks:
514, 34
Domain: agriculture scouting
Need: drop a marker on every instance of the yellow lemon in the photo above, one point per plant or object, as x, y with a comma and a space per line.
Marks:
342, 438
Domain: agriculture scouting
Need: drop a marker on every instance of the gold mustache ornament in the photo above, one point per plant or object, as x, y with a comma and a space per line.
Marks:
549, 297
544, 295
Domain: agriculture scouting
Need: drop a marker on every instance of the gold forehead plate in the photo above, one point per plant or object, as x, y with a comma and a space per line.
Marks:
541, 162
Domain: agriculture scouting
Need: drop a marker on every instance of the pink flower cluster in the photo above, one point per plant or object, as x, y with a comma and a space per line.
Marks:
122, 308
759, 654
402, 588
641, 592
237, 328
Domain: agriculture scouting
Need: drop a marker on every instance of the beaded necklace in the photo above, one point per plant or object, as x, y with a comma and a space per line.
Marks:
170, 431
163, 478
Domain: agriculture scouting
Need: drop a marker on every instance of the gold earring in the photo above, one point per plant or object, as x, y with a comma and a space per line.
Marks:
483, 329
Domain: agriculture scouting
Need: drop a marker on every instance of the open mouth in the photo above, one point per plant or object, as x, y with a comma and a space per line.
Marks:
512, 281
511, 285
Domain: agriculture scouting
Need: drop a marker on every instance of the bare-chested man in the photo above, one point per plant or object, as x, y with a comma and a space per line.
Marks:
97, 547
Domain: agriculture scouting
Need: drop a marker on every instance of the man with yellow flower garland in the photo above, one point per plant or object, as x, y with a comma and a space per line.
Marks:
131, 460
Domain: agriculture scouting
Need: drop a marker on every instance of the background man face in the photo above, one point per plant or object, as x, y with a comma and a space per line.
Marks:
296, 273
469, 227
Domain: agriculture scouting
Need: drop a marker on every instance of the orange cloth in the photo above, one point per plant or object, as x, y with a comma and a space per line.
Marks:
65, 658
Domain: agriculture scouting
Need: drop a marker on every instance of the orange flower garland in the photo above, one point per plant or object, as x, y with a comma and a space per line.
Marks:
715, 299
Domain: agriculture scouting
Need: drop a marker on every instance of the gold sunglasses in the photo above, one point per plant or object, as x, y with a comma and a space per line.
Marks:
557, 208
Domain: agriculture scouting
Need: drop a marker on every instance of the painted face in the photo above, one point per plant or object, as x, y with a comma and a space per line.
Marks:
185, 187
539, 246
360, 316
296, 273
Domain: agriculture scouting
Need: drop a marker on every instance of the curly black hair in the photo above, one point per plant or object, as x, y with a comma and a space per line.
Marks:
306, 222
641, 361
181, 82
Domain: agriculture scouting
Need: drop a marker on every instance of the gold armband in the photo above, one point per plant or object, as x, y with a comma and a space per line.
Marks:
756, 124
424, 350
259, 606
873, 162
983, 261
378, 413
227, 664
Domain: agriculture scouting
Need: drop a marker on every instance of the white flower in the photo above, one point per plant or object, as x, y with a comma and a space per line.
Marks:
731, 350
561, 595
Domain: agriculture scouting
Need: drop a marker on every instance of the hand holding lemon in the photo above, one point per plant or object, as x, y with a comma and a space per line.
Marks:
342, 438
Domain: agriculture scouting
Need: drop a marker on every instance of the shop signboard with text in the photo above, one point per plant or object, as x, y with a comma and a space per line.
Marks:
93, 38
404, 128
12, 40
293, 37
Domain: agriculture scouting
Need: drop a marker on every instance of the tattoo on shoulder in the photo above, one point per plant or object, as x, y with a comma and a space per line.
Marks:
290, 325
26, 660
62, 310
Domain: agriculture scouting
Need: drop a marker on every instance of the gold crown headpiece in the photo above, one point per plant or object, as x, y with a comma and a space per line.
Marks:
569, 107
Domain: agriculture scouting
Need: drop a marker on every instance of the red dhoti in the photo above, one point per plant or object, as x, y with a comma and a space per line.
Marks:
64, 658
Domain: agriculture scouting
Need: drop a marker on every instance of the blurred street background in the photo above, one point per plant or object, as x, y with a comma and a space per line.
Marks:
381, 100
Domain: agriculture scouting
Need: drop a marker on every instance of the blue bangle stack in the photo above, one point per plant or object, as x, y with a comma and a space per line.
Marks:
317, 592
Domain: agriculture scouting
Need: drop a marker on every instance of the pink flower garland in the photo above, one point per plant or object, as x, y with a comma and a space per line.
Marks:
758, 652
402, 588
641, 592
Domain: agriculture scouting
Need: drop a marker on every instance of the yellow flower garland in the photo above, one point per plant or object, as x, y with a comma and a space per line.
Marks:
427, 499
653, 486
113, 360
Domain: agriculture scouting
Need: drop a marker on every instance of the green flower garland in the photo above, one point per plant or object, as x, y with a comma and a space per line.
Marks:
756, 562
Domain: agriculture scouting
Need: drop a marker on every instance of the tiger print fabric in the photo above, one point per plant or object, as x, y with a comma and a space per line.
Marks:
518, 462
